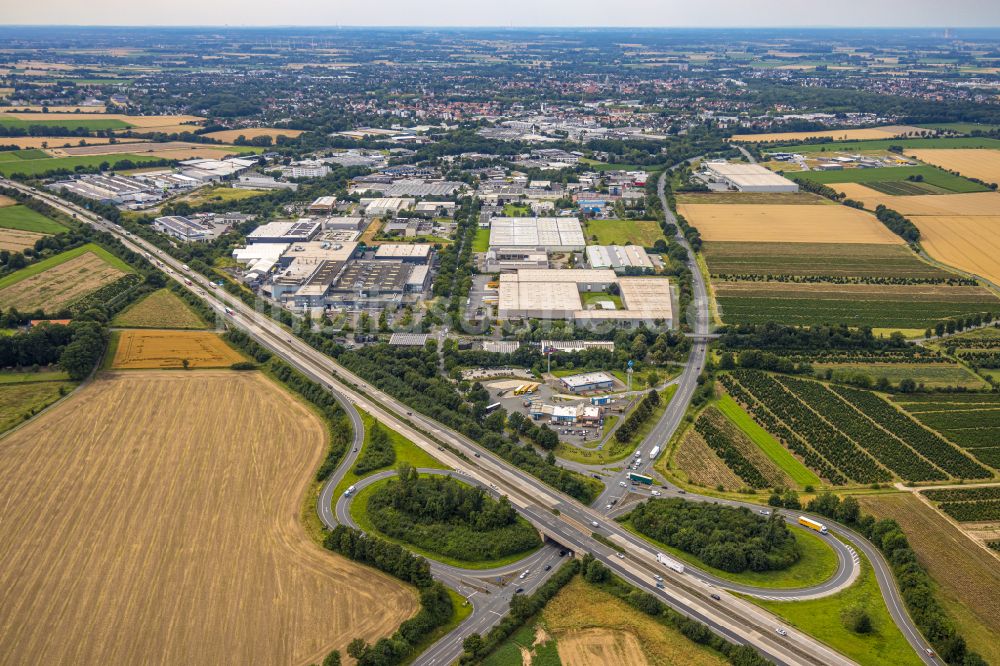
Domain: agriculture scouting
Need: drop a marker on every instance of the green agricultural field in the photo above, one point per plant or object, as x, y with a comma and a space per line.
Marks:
963, 128
931, 176
885, 144
39, 166
26, 219
25, 154
879, 306
32, 377
931, 375
68, 123
771, 447
817, 259
19, 401
624, 232
906, 188
824, 620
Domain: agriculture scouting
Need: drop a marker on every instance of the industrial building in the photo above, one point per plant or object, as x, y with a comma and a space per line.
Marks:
410, 253
409, 187
588, 381
555, 234
576, 345
619, 258
382, 206
748, 177
284, 232
554, 294
183, 228
499, 260
345, 223
306, 169
323, 205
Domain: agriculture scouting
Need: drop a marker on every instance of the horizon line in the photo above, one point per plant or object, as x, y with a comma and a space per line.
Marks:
339, 26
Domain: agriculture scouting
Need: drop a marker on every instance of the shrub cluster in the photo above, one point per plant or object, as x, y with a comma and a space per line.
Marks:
638, 417
731, 539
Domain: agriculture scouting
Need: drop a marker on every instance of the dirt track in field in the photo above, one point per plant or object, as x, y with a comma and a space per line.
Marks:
153, 518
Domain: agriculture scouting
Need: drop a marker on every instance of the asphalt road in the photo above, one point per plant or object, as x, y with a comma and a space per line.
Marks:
555, 514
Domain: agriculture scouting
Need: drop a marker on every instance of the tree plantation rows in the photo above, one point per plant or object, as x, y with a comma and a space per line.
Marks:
968, 512
710, 426
963, 494
446, 516
856, 432
733, 540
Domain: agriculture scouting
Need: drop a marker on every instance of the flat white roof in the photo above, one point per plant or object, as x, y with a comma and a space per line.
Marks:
586, 378
536, 232
741, 174
403, 250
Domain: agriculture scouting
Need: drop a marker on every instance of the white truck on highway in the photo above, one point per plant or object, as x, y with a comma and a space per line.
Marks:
638, 454
670, 563
655, 452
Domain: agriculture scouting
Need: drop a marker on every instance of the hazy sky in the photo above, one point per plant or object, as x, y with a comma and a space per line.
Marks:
651, 13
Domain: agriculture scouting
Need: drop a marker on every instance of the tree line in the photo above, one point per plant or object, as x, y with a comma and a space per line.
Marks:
638, 417
436, 607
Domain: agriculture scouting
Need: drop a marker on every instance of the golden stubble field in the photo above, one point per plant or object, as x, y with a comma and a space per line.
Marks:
968, 242
145, 349
970, 203
16, 240
152, 518
981, 163
887, 132
786, 224
60, 285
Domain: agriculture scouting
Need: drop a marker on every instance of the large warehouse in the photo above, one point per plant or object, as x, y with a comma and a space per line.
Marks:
554, 234
554, 294
749, 177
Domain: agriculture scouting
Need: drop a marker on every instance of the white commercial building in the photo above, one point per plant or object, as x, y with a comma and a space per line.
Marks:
555, 234
618, 257
556, 294
749, 177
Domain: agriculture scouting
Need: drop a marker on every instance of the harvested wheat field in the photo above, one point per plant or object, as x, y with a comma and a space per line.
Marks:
169, 503
981, 163
169, 349
581, 608
888, 132
970, 203
56, 141
968, 242
6, 201
16, 240
702, 465
60, 285
967, 574
786, 224
228, 136
137, 121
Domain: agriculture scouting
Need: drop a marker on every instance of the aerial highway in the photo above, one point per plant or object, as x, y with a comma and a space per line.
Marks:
557, 516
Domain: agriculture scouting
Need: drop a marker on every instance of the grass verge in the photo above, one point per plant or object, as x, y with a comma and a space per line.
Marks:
771, 447
823, 620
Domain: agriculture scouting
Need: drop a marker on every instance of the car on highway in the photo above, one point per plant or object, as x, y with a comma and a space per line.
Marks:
548, 567
781, 631
594, 523
620, 556
562, 553
607, 506
765, 512
622, 484
658, 577
519, 590
524, 574
656, 493
681, 491
716, 597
